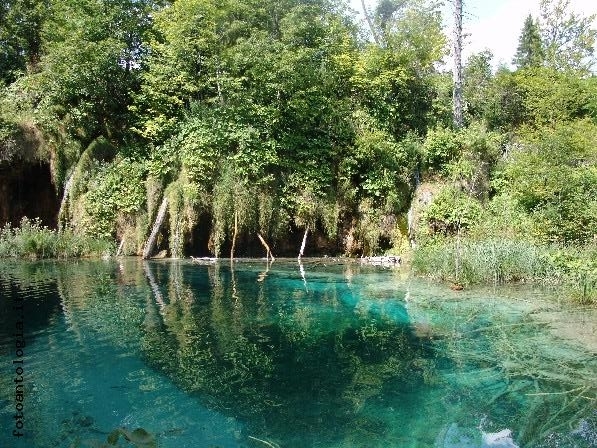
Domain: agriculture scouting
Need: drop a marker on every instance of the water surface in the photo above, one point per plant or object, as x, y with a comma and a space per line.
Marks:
318, 355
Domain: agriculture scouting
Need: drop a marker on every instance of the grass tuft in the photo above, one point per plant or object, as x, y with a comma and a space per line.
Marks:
468, 261
32, 240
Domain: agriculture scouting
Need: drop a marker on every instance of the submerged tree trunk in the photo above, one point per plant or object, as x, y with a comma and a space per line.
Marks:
302, 251
157, 225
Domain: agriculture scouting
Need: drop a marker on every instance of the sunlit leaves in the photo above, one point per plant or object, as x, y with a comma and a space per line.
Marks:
568, 38
554, 177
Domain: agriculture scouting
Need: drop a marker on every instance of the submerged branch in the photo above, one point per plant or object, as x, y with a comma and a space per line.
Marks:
556, 393
265, 442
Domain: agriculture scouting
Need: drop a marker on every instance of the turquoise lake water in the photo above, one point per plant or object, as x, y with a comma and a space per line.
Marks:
287, 355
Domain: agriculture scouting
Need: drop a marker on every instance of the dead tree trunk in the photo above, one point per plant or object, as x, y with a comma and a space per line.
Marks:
65, 197
370, 22
157, 225
120, 247
302, 251
234, 236
268, 252
457, 94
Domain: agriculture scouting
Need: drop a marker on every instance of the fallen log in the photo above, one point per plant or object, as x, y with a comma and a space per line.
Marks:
203, 260
386, 260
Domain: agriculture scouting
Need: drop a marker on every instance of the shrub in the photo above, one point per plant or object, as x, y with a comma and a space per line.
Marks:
452, 211
553, 176
440, 147
118, 188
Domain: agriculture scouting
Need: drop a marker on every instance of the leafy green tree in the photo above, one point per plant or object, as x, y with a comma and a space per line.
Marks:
552, 97
90, 65
568, 38
477, 80
380, 168
553, 176
21, 24
412, 29
530, 47
181, 67
393, 80
440, 113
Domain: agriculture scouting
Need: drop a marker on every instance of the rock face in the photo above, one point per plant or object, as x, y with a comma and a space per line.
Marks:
26, 189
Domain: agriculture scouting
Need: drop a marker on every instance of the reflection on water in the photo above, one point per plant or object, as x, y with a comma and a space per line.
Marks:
288, 355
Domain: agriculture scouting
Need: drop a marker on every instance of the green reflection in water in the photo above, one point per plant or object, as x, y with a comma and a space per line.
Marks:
334, 356
298, 362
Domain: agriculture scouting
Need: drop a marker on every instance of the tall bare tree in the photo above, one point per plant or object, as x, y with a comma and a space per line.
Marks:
457, 93
370, 22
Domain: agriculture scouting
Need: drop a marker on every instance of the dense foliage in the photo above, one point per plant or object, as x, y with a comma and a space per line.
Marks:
277, 117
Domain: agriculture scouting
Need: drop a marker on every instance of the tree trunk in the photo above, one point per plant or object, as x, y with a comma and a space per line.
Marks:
65, 198
157, 225
457, 95
370, 23
234, 236
268, 252
120, 247
302, 251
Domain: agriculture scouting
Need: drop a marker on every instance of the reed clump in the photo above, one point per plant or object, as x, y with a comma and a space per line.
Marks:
33, 240
468, 261
487, 261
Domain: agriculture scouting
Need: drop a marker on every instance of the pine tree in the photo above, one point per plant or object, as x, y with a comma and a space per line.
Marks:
530, 49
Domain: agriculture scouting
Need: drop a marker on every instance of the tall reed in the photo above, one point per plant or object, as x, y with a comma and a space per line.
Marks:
33, 240
468, 261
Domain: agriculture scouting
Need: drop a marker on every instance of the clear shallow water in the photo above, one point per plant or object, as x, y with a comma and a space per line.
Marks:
344, 356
